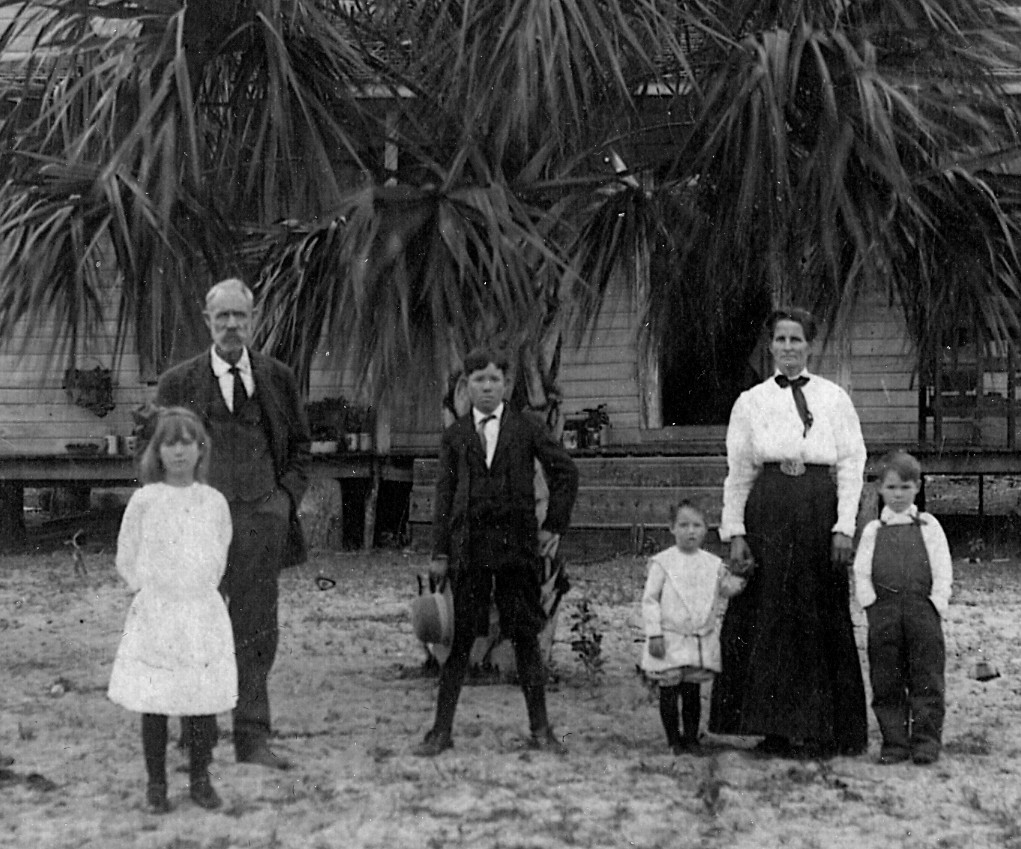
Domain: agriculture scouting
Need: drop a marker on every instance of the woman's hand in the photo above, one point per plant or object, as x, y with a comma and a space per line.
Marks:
657, 648
741, 561
548, 543
842, 552
438, 567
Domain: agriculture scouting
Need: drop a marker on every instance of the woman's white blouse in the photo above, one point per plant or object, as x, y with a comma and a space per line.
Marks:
765, 428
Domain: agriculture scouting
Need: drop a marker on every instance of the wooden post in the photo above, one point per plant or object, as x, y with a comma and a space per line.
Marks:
12, 513
649, 386
370, 506
1011, 397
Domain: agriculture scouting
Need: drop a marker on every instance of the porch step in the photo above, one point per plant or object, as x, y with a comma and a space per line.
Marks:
620, 493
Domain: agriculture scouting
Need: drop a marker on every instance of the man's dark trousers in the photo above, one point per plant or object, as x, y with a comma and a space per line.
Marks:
251, 587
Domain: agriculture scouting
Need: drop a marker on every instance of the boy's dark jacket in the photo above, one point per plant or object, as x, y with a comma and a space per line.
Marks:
509, 520
192, 384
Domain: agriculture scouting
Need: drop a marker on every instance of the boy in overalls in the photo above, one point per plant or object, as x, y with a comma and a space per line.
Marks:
903, 574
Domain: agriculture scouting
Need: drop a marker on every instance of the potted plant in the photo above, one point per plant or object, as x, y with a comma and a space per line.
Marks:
326, 420
353, 425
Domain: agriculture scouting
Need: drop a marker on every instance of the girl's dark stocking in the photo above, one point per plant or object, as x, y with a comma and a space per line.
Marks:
203, 737
691, 711
669, 715
154, 747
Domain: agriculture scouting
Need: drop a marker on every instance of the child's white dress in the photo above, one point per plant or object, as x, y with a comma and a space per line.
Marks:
177, 653
683, 601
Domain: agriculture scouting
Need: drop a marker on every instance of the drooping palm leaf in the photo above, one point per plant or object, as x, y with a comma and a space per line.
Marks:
196, 136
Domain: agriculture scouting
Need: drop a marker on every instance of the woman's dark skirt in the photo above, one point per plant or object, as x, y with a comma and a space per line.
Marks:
790, 664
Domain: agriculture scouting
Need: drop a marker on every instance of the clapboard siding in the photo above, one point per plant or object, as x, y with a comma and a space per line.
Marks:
876, 364
37, 417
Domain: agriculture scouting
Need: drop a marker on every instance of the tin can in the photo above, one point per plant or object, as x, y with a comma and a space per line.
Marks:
111, 444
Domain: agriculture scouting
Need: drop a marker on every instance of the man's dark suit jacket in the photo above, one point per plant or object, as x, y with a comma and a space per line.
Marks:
521, 442
192, 384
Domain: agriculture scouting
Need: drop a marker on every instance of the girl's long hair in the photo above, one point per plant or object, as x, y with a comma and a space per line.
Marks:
174, 424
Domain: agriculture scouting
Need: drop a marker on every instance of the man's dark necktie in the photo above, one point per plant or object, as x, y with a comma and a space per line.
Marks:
799, 397
481, 430
240, 393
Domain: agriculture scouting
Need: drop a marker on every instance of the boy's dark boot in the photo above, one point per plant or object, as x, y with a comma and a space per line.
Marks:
691, 713
532, 675
154, 747
452, 673
202, 793
670, 717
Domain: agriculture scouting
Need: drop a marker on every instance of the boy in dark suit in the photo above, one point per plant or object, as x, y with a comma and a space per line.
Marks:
251, 406
488, 542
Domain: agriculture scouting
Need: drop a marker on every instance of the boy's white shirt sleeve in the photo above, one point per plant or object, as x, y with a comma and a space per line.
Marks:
129, 539
863, 587
651, 611
940, 562
936, 547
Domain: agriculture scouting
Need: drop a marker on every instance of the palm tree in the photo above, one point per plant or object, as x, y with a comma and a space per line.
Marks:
414, 175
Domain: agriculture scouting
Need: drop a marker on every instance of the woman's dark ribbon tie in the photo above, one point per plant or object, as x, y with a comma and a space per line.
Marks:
799, 397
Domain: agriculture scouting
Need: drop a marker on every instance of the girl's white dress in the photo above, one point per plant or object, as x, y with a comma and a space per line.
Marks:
683, 601
177, 653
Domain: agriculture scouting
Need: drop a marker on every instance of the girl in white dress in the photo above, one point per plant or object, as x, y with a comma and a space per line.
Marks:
177, 653
685, 591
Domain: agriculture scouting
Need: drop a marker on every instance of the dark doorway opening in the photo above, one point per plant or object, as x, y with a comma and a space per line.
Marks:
702, 374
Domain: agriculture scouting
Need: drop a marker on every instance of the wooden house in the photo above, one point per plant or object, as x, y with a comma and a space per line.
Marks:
666, 417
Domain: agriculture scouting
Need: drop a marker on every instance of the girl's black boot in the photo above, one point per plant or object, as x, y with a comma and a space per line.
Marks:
201, 750
154, 747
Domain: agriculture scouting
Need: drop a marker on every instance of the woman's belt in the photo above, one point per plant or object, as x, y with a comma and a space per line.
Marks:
797, 468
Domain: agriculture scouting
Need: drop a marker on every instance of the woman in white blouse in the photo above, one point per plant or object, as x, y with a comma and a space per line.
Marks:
796, 459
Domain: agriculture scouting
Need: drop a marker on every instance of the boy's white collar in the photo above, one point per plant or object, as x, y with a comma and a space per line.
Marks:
891, 517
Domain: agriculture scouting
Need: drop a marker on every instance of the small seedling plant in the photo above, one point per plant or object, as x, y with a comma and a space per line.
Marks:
587, 640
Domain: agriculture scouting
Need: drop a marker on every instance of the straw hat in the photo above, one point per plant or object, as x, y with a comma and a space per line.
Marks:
432, 616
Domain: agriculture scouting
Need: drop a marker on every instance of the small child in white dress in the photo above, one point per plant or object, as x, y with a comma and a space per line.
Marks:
176, 656
685, 591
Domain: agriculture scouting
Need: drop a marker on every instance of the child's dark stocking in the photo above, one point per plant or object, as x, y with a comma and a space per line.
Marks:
668, 713
203, 737
154, 747
691, 712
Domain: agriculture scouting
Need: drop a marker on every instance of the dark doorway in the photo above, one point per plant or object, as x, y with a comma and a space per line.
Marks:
702, 376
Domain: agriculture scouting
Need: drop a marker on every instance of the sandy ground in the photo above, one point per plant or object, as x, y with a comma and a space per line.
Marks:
350, 700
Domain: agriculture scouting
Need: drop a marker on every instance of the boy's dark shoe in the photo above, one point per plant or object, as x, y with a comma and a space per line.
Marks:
545, 740
774, 746
685, 746
156, 801
893, 755
434, 743
925, 757
263, 755
203, 794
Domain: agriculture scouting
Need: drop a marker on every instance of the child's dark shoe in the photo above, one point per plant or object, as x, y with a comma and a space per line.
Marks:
545, 740
203, 794
156, 801
892, 755
686, 746
925, 756
434, 743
